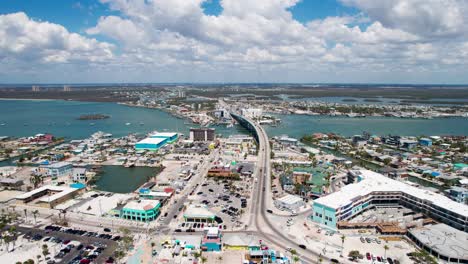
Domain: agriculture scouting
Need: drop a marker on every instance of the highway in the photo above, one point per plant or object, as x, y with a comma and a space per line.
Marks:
263, 198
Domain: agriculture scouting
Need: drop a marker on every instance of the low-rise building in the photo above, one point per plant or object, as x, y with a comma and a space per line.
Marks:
198, 214
49, 195
59, 169
141, 210
289, 202
202, 134
211, 240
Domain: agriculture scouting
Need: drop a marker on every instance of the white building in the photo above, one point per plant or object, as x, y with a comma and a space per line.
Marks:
290, 202
252, 112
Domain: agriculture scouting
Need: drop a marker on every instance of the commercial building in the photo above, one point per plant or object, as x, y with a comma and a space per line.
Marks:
202, 134
252, 112
48, 196
198, 214
152, 144
375, 189
442, 241
141, 210
170, 137
59, 169
289, 202
211, 240
156, 141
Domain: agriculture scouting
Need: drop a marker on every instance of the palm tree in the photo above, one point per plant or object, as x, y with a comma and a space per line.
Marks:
343, 237
204, 259
35, 212
385, 247
35, 180
296, 259
25, 214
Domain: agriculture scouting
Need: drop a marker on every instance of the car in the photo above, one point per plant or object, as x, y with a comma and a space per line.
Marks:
378, 241
165, 214
116, 238
85, 261
269, 211
390, 261
379, 259
110, 260
46, 239
362, 240
107, 229
79, 247
302, 246
334, 260
178, 230
368, 256
175, 216
368, 240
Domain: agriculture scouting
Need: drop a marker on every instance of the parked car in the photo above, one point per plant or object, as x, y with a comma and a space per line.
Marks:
302, 246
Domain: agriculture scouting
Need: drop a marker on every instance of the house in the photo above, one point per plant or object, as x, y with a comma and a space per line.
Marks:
59, 169
289, 202
458, 194
425, 142
79, 175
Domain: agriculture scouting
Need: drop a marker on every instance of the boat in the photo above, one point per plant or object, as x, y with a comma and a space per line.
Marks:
142, 124
129, 165
127, 124
230, 125
2, 124
91, 124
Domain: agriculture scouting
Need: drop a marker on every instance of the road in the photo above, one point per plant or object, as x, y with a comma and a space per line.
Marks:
263, 199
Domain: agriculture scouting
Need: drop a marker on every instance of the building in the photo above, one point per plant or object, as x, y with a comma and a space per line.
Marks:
458, 194
289, 202
141, 210
211, 240
287, 141
59, 169
79, 175
48, 196
170, 137
152, 144
442, 241
198, 214
375, 189
35, 88
425, 142
232, 241
252, 112
202, 134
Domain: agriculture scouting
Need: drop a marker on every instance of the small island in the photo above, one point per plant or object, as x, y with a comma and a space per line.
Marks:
93, 117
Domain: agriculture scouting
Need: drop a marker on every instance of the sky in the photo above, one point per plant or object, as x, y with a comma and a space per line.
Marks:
234, 41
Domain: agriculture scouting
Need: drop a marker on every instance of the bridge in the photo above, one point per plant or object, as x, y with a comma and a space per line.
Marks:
247, 124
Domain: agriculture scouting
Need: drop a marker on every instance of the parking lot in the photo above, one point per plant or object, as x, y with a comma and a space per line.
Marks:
227, 199
67, 245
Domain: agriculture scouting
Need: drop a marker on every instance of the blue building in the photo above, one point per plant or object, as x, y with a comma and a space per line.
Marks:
212, 240
169, 136
59, 169
152, 144
458, 194
425, 142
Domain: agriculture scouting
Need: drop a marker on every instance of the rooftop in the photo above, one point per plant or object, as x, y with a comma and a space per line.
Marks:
198, 211
59, 164
60, 191
152, 141
444, 239
141, 205
375, 182
164, 135
290, 199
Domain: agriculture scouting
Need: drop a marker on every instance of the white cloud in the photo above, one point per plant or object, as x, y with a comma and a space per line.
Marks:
430, 18
177, 37
25, 39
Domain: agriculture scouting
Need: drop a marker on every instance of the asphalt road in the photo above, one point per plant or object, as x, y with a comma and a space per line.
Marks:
263, 224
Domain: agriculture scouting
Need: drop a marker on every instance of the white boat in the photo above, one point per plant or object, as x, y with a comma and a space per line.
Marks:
127, 124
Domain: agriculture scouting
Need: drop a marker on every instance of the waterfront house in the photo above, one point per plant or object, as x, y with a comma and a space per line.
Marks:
425, 142
59, 169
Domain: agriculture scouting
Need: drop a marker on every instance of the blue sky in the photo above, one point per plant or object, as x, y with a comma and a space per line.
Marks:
397, 41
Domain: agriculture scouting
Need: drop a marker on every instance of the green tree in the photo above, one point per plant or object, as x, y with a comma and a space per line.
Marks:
343, 237
354, 254
385, 247
35, 213
296, 258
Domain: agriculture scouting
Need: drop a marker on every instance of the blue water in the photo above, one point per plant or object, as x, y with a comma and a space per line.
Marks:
300, 125
26, 118
59, 118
